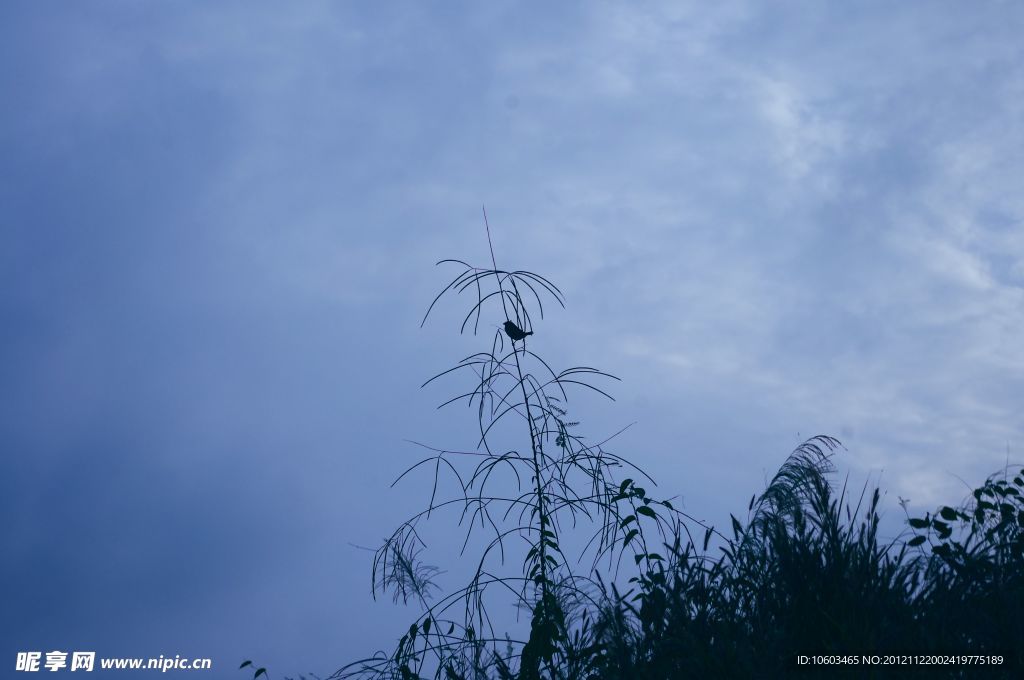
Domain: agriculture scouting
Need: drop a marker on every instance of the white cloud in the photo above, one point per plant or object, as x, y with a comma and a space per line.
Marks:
805, 139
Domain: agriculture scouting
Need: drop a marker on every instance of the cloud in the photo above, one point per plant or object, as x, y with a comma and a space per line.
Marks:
222, 220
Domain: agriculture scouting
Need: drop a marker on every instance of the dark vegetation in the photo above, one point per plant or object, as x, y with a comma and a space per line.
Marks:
614, 583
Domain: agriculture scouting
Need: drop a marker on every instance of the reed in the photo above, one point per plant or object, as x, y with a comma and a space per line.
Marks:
553, 518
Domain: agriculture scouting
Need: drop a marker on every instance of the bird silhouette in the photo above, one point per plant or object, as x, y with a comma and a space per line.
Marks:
515, 332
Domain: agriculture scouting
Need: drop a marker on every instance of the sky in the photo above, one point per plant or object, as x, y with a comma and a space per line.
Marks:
219, 224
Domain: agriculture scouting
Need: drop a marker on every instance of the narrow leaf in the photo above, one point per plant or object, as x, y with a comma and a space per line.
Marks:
737, 528
647, 511
629, 537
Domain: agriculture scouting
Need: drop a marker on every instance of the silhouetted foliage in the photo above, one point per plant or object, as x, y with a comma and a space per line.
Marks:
805, 573
524, 500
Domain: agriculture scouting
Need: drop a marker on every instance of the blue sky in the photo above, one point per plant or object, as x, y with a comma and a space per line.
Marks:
218, 224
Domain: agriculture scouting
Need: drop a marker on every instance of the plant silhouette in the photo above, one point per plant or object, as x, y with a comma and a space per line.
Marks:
555, 485
548, 523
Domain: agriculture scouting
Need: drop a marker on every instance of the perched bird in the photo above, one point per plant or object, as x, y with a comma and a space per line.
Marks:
515, 332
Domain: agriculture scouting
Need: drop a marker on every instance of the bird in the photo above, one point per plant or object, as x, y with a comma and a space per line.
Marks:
515, 332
